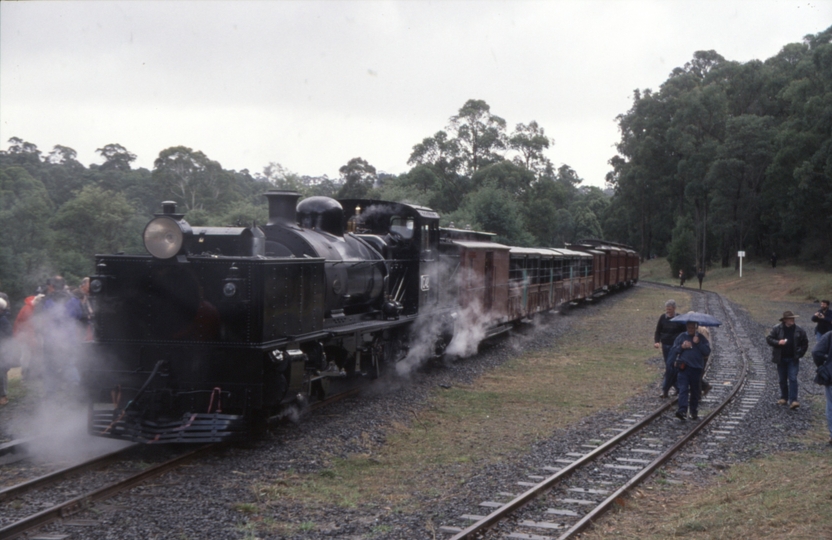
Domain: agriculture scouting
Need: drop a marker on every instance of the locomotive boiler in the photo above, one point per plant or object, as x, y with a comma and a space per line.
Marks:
218, 328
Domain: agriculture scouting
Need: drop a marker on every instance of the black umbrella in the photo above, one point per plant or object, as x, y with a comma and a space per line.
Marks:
702, 319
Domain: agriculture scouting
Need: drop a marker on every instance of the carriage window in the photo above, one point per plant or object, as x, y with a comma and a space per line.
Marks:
401, 226
515, 272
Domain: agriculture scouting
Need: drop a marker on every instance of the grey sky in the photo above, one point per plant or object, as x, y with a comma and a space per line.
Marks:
312, 84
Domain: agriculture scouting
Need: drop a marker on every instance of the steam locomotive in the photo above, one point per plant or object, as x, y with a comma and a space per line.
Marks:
219, 328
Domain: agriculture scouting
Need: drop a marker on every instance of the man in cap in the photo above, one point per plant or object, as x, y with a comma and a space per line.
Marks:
689, 352
789, 343
665, 335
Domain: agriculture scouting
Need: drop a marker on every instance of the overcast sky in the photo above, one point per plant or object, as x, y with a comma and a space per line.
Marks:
311, 85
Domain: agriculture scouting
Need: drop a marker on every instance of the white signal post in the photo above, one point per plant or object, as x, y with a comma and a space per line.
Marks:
741, 254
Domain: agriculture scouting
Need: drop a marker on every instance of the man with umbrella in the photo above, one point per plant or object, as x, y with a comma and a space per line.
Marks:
788, 343
688, 354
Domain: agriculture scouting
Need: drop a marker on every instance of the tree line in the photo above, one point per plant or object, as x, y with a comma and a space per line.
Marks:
56, 213
725, 156
729, 157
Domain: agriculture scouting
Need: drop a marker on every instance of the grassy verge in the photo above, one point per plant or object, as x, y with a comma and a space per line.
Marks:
781, 496
502, 413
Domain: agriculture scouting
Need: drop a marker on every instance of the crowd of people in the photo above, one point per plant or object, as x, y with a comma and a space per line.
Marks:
686, 348
43, 337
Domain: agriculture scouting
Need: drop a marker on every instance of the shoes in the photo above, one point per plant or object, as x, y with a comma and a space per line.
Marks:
781, 401
4, 401
706, 387
694, 416
681, 415
794, 405
663, 395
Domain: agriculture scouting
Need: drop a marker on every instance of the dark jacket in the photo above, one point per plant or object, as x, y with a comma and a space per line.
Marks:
693, 357
822, 349
801, 342
667, 331
825, 323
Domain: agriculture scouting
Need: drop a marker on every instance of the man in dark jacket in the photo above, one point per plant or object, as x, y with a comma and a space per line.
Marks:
789, 343
823, 318
821, 354
689, 351
664, 337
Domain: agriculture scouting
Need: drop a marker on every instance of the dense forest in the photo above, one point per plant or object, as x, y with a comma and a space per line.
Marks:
727, 156
724, 156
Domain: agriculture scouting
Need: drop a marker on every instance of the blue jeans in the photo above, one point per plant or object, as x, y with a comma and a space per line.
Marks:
829, 410
669, 371
787, 369
689, 389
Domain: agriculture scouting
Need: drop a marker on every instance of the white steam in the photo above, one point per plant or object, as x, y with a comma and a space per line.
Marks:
53, 411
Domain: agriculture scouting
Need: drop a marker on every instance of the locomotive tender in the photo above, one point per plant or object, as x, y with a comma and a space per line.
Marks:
221, 327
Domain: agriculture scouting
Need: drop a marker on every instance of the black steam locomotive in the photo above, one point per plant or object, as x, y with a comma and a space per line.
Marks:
221, 326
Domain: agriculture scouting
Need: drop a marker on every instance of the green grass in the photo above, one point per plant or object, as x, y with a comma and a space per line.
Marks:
465, 427
785, 495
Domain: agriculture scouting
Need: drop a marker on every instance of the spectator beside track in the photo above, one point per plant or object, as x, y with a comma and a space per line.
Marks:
823, 318
773, 260
60, 336
26, 335
681, 278
789, 343
665, 335
689, 353
700, 275
821, 355
80, 309
5, 348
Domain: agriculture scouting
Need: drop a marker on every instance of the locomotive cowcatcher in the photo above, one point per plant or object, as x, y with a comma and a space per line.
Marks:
219, 328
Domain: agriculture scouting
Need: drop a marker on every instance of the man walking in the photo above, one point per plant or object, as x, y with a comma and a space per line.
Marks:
789, 343
663, 338
689, 352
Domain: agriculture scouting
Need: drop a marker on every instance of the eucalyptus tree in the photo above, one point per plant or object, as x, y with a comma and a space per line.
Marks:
193, 179
530, 141
25, 208
116, 157
358, 178
480, 135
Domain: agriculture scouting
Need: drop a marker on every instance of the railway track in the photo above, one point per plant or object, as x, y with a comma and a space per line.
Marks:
59, 495
573, 491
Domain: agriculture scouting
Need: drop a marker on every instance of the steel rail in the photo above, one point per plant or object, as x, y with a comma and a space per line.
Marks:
60, 474
500, 513
532, 493
80, 503
662, 459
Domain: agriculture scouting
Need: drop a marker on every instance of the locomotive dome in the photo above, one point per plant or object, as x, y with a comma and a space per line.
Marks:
323, 213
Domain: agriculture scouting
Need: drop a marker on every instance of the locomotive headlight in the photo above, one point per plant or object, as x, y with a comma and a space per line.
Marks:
229, 289
96, 285
163, 237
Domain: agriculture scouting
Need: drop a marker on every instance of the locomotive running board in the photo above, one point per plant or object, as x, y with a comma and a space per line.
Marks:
191, 428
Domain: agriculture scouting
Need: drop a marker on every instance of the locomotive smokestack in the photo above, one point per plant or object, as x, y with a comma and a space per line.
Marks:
282, 207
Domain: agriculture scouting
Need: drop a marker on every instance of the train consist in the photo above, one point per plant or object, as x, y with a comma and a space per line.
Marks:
219, 328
